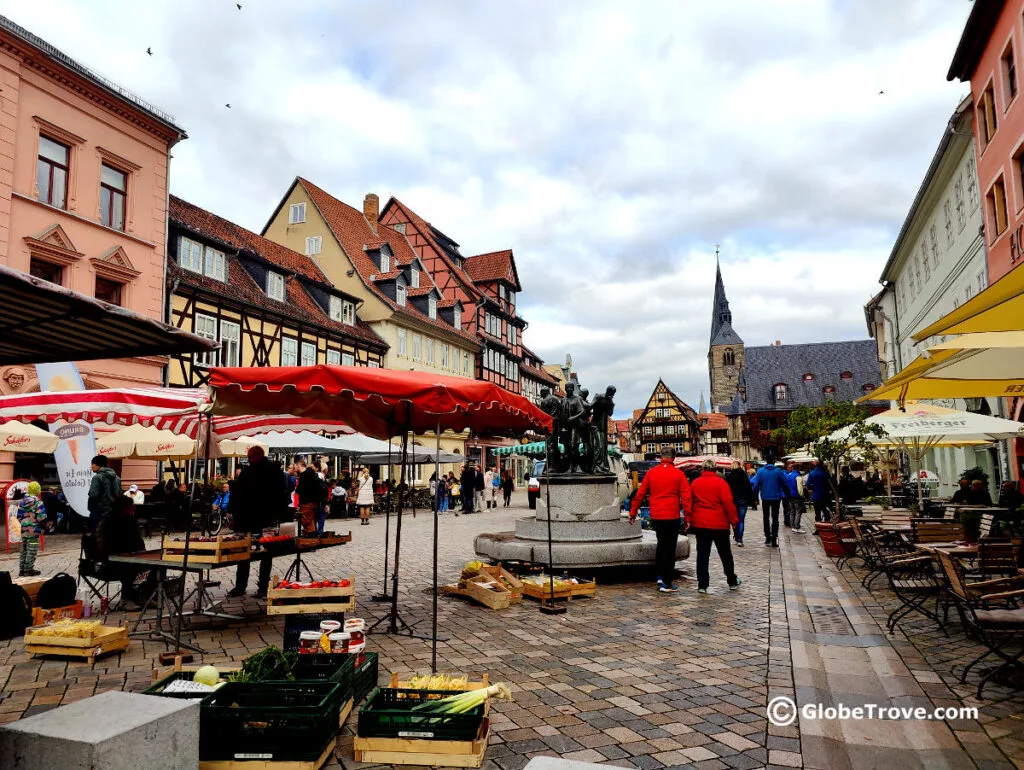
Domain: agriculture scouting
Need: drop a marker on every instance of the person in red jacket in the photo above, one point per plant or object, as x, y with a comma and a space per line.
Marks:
714, 514
669, 501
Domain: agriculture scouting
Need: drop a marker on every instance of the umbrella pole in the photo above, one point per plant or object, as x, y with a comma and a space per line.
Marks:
920, 457
383, 596
437, 476
396, 620
549, 607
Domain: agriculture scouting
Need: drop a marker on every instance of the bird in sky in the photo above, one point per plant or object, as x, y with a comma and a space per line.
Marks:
239, 6
228, 106
881, 93
149, 51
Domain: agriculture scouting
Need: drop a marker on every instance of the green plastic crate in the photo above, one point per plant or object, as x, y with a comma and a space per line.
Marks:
388, 714
366, 674
322, 667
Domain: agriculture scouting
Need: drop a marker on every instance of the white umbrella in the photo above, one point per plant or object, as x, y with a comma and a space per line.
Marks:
416, 455
302, 442
138, 442
25, 437
238, 447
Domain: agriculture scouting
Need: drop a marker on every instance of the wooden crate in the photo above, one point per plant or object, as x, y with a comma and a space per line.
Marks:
31, 585
478, 590
108, 639
301, 601
423, 751
542, 592
586, 588
263, 764
218, 551
510, 581
399, 684
309, 543
40, 616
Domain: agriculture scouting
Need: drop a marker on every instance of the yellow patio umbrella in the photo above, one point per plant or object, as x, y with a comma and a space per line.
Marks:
968, 366
24, 437
238, 447
999, 308
137, 442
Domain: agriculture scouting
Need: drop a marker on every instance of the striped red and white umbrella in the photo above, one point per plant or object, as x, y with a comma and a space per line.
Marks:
722, 462
177, 410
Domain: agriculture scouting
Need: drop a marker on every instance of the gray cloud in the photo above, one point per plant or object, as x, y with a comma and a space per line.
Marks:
610, 144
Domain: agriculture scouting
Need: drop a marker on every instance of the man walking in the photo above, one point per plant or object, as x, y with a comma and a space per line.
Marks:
478, 489
818, 483
770, 482
258, 498
713, 514
312, 494
104, 489
742, 496
795, 502
670, 499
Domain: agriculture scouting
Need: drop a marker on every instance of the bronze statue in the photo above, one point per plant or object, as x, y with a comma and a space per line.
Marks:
602, 409
579, 437
552, 405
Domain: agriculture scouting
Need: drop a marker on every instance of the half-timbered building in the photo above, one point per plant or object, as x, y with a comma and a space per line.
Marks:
533, 376
267, 305
667, 420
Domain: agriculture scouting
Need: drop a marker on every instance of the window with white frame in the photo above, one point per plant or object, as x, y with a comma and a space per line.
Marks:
511, 334
230, 343
457, 315
201, 259
308, 353
336, 308
275, 286
205, 326
416, 347
385, 262
348, 312
430, 350
400, 294
314, 243
465, 363
348, 359
375, 364
289, 351
414, 275
401, 342
333, 356
296, 213
432, 306
444, 356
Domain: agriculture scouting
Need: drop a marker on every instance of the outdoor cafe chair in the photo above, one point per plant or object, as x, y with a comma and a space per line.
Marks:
96, 574
996, 557
935, 531
912, 580
991, 615
875, 549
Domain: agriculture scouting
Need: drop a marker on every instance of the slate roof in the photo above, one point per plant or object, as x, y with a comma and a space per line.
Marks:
240, 285
355, 235
826, 361
726, 335
722, 332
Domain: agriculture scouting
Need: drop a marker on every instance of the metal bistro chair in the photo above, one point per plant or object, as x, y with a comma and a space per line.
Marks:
936, 531
875, 549
96, 574
991, 616
996, 558
912, 579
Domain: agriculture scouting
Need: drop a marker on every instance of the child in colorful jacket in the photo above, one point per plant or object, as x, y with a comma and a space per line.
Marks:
31, 514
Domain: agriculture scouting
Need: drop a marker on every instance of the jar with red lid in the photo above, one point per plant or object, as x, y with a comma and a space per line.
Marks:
309, 642
356, 627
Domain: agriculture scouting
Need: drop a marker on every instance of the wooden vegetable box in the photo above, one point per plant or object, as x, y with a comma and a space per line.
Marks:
310, 543
41, 616
106, 639
507, 579
563, 590
264, 764
423, 751
300, 601
219, 551
489, 591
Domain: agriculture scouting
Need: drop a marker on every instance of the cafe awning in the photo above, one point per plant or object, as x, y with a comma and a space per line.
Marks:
41, 322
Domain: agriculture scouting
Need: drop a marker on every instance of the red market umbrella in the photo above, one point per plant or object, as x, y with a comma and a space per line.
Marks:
722, 462
377, 402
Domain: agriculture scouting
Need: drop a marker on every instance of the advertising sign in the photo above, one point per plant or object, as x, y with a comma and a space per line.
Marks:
77, 442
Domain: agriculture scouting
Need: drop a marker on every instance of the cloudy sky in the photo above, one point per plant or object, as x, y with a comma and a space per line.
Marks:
610, 144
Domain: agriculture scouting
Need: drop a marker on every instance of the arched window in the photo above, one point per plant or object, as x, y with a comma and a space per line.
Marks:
847, 375
728, 357
808, 377
781, 393
867, 388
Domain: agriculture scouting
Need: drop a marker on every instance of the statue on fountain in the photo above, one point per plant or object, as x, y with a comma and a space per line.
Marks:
578, 443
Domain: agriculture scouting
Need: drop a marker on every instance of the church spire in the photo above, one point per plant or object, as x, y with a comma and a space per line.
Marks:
720, 313
703, 406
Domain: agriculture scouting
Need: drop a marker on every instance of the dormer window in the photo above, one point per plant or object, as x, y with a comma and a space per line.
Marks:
808, 377
781, 393
868, 387
400, 294
432, 307
275, 286
457, 315
336, 308
385, 262
204, 260
348, 312
296, 213
829, 390
847, 375
414, 276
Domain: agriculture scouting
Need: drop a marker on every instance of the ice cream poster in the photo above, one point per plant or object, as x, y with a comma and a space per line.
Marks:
77, 442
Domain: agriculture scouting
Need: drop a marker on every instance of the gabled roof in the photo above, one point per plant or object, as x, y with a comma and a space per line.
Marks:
356, 237
494, 266
726, 336
688, 411
771, 365
715, 421
447, 248
537, 374
976, 35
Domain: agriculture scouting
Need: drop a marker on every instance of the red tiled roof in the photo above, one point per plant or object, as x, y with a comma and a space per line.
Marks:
425, 230
636, 414
420, 291
495, 266
299, 305
537, 374
716, 421
622, 426
353, 233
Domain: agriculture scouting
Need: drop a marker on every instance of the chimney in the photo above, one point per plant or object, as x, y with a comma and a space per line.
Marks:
778, 343
371, 210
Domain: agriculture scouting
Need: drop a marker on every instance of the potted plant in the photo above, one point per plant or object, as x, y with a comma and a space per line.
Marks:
971, 522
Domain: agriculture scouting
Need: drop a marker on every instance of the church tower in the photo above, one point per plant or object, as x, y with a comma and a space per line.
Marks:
725, 352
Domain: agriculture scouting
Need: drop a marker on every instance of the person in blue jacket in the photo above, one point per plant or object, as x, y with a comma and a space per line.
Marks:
770, 482
818, 483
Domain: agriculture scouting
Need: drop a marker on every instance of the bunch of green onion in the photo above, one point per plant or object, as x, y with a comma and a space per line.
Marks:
464, 701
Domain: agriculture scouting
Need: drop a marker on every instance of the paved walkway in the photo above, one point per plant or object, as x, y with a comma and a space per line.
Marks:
632, 678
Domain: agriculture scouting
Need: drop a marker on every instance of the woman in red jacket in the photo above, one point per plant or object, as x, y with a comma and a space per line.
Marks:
714, 513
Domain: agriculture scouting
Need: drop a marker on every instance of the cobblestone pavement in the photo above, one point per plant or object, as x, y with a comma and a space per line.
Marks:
632, 678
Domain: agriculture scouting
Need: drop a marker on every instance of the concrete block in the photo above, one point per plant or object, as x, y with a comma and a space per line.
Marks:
111, 731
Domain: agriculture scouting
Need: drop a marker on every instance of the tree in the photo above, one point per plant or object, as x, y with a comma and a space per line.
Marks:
810, 427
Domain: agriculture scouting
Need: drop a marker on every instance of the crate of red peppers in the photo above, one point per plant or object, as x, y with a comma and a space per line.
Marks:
331, 595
